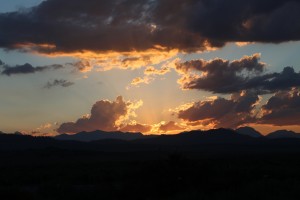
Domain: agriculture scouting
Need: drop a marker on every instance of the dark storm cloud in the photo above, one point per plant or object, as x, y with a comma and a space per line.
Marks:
248, 20
282, 109
104, 115
27, 69
97, 25
222, 112
60, 82
273, 82
222, 76
103, 25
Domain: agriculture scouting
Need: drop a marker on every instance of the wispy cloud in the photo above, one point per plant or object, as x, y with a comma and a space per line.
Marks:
58, 82
27, 69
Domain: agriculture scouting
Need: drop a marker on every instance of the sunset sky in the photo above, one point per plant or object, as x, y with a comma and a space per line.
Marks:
151, 66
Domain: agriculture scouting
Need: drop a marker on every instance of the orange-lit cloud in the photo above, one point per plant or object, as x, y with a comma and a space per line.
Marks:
117, 115
34, 47
103, 61
150, 73
170, 126
105, 115
138, 80
46, 129
153, 71
136, 127
242, 44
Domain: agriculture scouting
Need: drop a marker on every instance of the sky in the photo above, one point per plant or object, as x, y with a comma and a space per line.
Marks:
150, 66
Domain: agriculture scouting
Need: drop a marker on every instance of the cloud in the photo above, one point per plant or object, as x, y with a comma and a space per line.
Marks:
150, 73
8, 70
246, 21
282, 109
60, 82
123, 26
104, 61
27, 69
170, 126
273, 82
218, 75
44, 130
223, 67
139, 80
105, 115
82, 66
136, 127
94, 25
153, 71
223, 76
221, 112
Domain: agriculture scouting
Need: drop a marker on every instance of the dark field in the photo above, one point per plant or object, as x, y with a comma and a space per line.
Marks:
61, 174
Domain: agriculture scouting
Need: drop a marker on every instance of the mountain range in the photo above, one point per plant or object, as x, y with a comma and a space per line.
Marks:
242, 139
100, 135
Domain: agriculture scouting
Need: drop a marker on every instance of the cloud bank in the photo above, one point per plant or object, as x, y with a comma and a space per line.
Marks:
221, 112
225, 77
123, 26
282, 109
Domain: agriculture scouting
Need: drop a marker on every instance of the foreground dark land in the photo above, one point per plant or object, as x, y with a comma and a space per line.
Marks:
66, 174
214, 164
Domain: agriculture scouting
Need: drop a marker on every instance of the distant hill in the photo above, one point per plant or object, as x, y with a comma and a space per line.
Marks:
249, 131
283, 134
100, 135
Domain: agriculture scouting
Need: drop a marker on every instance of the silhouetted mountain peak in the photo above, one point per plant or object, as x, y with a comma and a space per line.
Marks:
249, 131
18, 133
199, 137
283, 134
211, 131
99, 135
